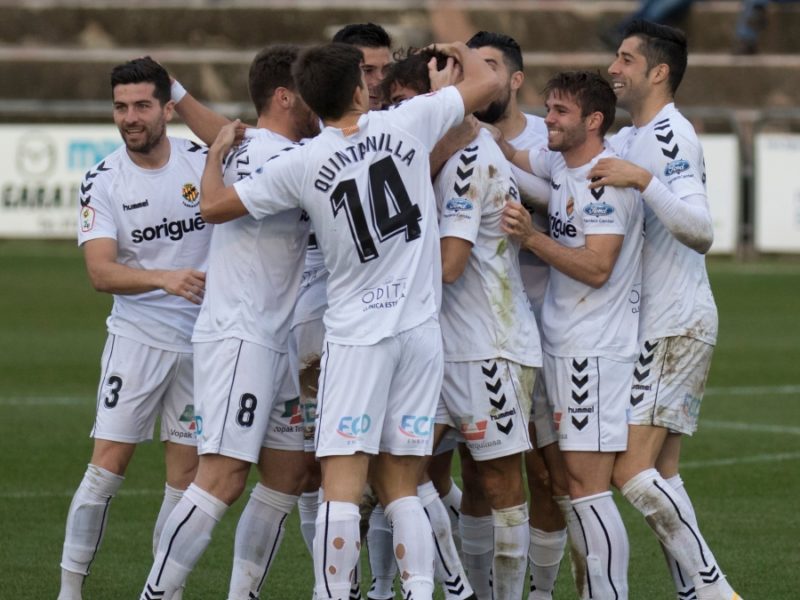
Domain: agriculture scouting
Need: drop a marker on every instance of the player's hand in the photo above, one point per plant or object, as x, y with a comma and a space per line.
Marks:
226, 138
497, 135
517, 222
618, 173
186, 283
450, 75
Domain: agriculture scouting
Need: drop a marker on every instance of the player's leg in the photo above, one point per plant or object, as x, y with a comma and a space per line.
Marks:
407, 438
589, 397
440, 473
348, 432
475, 527
235, 384
671, 374
282, 470
548, 529
132, 381
448, 569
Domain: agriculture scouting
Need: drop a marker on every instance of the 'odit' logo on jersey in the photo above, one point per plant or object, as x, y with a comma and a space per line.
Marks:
190, 195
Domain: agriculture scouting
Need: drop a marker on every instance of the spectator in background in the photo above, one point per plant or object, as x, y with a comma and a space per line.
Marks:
667, 12
751, 22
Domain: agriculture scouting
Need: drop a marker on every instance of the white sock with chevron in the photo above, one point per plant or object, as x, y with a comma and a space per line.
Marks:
510, 560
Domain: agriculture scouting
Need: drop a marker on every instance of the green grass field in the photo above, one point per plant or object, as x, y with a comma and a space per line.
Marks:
742, 469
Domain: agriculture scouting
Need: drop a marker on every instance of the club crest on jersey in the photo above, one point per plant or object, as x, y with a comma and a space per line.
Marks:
190, 195
676, 167
87, 218
598, 209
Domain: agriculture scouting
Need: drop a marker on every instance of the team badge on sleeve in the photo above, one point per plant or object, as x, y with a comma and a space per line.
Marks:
87, 218
190, 195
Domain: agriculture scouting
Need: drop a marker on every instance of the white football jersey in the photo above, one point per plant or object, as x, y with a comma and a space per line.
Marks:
534, 270
371, 202
154, 215
254, 265
485, 313
577, 319
676, 294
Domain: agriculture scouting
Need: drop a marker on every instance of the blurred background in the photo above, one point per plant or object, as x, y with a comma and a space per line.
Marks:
742, 88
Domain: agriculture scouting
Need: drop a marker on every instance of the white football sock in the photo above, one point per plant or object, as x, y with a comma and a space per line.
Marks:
413, 546
171, 497
381, 557
258, 536
449, 570
510, 561
477, 545
684, 585
604, 546
186, 534
337, 544
544, 555
671, 520
452, 502
308, 507
86, 523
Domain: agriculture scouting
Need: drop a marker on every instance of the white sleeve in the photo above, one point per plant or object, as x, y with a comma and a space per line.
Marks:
460, 214
95, 215
274, 187
531, 186
688, 218
541, 162
608, 210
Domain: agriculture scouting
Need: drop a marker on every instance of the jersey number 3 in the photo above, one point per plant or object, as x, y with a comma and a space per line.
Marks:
385, 185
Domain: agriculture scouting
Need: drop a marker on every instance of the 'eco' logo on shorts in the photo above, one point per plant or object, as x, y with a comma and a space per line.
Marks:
415, 427
352, 427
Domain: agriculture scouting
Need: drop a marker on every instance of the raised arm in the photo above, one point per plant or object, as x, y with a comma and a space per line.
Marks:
480, 84
107, 275
204, 122
219, 204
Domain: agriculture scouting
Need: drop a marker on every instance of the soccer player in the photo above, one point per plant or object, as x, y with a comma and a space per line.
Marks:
365, 183
546, 483
678, 326
308, 333
589, 316
376, 46
247, 408
145, 242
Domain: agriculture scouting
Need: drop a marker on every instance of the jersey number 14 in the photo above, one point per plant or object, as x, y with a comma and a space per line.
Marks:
385, 185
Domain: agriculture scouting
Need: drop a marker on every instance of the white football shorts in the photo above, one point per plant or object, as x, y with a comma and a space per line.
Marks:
245, 399
382, 397
489, 403
137, 384
669, 379
589, 399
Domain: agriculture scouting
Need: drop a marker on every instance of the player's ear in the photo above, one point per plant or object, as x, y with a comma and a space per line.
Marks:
169, 110
517, 79
660, 73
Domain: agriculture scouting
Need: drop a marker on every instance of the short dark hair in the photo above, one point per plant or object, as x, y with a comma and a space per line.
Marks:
662, 44
590, 91
365, 35
505, 43
327, 77
271, 68
143, 70
410, 69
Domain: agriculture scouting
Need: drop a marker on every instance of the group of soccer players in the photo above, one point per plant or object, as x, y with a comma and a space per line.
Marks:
432, 269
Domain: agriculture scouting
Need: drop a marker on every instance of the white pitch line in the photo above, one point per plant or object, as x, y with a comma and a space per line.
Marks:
755, 427
46, 400
765, 390
741, 460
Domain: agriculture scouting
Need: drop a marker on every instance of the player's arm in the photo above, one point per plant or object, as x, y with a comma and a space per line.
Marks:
107, 275
455, 139
591, 263
687, 218
219, 204
455, 254
480, 84
534, 191
204, 122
